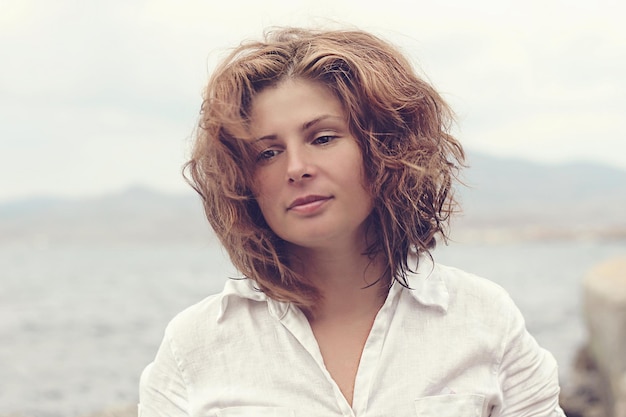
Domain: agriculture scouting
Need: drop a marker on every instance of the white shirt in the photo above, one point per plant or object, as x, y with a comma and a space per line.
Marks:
453, 345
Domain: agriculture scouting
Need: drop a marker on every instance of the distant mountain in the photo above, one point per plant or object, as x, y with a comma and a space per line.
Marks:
507, 178
518, 195
135, 214
504, 198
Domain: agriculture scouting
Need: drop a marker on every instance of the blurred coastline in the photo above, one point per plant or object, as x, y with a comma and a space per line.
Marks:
501, 200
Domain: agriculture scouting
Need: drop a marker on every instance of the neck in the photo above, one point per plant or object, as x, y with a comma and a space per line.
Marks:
352, 285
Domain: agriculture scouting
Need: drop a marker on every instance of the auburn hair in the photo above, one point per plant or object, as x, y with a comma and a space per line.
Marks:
402, 125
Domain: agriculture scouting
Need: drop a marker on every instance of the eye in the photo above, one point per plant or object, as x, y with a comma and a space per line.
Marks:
323, 140
267, 154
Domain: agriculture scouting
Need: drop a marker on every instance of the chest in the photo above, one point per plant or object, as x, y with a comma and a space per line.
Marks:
314, 371
341, 347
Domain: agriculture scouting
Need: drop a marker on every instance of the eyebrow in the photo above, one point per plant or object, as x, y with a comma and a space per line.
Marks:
305, 126
313, 122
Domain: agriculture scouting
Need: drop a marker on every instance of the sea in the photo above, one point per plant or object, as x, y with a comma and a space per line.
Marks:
78, 322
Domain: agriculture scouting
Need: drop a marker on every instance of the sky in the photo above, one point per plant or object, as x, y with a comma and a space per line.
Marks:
100, 95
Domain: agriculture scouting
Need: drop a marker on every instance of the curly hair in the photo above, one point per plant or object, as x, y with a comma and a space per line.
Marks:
402, 126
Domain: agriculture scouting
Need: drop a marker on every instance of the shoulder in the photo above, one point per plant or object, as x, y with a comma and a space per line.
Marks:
485, 315
474, 298
195, 319
468, 286
218, 316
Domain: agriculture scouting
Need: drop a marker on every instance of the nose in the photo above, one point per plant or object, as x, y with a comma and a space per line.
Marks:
299, 165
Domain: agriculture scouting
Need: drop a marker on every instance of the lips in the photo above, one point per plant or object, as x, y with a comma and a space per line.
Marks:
303, 201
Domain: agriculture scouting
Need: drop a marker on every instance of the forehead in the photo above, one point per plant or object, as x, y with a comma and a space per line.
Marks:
293, 100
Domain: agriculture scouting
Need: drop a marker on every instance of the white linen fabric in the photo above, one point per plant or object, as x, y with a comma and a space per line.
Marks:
452, 345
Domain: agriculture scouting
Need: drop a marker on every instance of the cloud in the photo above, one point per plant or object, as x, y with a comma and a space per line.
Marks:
97, 95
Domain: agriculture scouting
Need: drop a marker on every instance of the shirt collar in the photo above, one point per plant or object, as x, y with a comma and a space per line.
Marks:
246, 289
238, 288
426, 286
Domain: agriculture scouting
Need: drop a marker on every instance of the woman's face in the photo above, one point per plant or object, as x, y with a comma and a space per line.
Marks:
308, 179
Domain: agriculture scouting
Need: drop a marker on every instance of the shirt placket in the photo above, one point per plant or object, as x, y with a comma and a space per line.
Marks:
370, 357
297, 324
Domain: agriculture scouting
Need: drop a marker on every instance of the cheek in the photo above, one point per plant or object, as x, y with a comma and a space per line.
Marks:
266, 182
256, 190
360, 175
265, 197
364, 187
258, 182
261, 190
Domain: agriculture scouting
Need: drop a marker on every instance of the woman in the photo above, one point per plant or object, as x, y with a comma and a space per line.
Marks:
326, 169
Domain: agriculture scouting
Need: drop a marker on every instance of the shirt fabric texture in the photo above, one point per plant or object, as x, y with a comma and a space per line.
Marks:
452, 345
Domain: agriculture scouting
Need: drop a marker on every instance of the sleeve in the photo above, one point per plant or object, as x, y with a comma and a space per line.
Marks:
528, 374
162, 387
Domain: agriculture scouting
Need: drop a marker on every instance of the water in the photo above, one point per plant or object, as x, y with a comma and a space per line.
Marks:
79, 322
